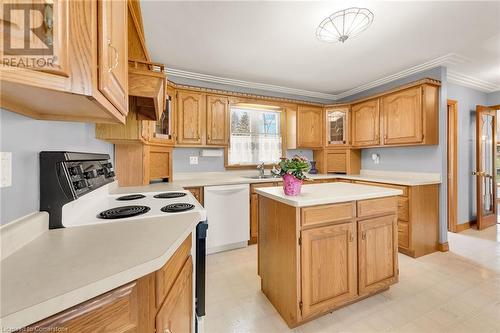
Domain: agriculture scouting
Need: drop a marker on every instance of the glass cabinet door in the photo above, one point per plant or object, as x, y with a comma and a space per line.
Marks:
336, 126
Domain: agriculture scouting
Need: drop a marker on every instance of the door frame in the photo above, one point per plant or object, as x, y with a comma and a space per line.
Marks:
452, 165
491, 219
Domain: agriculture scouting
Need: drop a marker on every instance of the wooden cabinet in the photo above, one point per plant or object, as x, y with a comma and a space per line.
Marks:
197, 192
378, 253
329, 274
113, 52
417, 218
190, 118
337, 127
341, 160
84, 77
310, 127
365, 122
217, 121
254, 210
410, 116
176, 312
313, 260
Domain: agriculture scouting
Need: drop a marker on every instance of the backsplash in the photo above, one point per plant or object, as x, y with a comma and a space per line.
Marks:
25, 138
212, 164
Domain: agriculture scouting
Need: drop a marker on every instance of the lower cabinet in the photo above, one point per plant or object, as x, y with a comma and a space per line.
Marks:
254, 210
378, 254
175, 314
197, 192
161, 301
329, 274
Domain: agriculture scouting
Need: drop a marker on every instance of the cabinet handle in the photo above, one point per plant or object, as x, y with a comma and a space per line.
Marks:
351, 237
363, 235
208, 135
111, 68
167, 330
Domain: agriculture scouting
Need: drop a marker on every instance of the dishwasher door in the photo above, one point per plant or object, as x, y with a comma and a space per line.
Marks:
228, 216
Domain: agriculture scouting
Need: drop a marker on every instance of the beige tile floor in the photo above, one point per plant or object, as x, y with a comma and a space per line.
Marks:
456, 291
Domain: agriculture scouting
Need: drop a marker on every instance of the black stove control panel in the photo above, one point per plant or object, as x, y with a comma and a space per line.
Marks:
66, 176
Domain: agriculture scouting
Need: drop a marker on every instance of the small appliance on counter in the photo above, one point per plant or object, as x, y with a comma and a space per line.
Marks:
74, 190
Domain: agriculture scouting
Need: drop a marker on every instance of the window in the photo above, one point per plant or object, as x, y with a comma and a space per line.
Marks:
255, 135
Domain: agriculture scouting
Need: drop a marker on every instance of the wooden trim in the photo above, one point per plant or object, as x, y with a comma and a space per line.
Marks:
452, 145
393, 90
443, 247
464, 226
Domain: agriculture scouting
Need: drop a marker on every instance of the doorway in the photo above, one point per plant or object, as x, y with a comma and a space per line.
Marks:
486, 165
452, 165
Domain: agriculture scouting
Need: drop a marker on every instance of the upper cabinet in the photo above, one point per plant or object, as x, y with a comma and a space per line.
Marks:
113, 66
309, 127
190, 115
79, 71
410, 116
337, 124
365, 123
217, 120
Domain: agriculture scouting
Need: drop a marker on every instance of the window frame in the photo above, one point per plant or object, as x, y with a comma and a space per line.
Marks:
257, 105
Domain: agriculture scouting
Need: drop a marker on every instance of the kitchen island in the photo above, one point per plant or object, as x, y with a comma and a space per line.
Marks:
332, 245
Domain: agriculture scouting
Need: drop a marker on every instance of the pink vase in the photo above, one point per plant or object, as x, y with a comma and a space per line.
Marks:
291, 185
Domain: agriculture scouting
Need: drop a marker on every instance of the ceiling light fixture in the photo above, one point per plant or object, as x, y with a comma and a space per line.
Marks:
344, 24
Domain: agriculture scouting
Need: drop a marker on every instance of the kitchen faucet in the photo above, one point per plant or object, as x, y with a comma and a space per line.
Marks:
260, 167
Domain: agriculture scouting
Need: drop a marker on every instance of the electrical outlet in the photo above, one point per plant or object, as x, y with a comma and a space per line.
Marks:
5, 169
193, 159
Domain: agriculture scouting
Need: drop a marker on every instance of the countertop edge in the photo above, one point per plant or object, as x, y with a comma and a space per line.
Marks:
50, 307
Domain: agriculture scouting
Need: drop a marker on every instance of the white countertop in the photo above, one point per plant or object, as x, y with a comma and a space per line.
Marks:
195, 179
64, 267
328, 193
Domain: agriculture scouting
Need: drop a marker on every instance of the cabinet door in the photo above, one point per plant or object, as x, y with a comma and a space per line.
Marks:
336, 161
176, 313
217, 121
366, 123
190, 109
377, 253
403, 117
113, 52
328, 267
254, 218
47, 37
309, 127
337, 127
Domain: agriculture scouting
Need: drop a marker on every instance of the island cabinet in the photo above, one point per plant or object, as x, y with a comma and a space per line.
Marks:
315, 259
254, 209
161, 301
83, 73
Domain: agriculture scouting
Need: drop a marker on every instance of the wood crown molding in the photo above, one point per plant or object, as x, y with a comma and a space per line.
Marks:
446, 60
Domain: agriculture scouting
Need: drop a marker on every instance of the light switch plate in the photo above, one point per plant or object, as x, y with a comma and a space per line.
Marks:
193, 159
5, 169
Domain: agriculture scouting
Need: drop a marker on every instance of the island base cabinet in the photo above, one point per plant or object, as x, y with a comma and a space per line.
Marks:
175, 314
328, 267
378, 249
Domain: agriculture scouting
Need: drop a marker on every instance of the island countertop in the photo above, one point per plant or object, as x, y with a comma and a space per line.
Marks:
322, 194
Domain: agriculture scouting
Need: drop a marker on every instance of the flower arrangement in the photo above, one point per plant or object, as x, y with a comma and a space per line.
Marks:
293, 171
297, 166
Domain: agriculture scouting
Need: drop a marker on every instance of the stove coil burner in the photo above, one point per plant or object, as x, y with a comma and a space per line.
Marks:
123, 212
177, 208
131, 197
170, 195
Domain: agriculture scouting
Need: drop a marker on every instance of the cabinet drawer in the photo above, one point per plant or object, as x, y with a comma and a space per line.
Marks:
403, 234
327, 213
166, 275
397, 187
254, 186
376, 206
403, 210
336, 162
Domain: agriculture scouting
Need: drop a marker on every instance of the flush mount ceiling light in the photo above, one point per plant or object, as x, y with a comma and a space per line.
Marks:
344, 24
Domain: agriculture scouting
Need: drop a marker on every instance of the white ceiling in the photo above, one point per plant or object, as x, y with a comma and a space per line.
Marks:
274, 43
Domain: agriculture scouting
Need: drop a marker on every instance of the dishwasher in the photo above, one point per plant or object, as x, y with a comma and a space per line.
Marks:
228, 216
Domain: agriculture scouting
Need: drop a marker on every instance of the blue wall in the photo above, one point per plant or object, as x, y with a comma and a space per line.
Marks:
209, 164
467, 100
493, 98
25, 138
